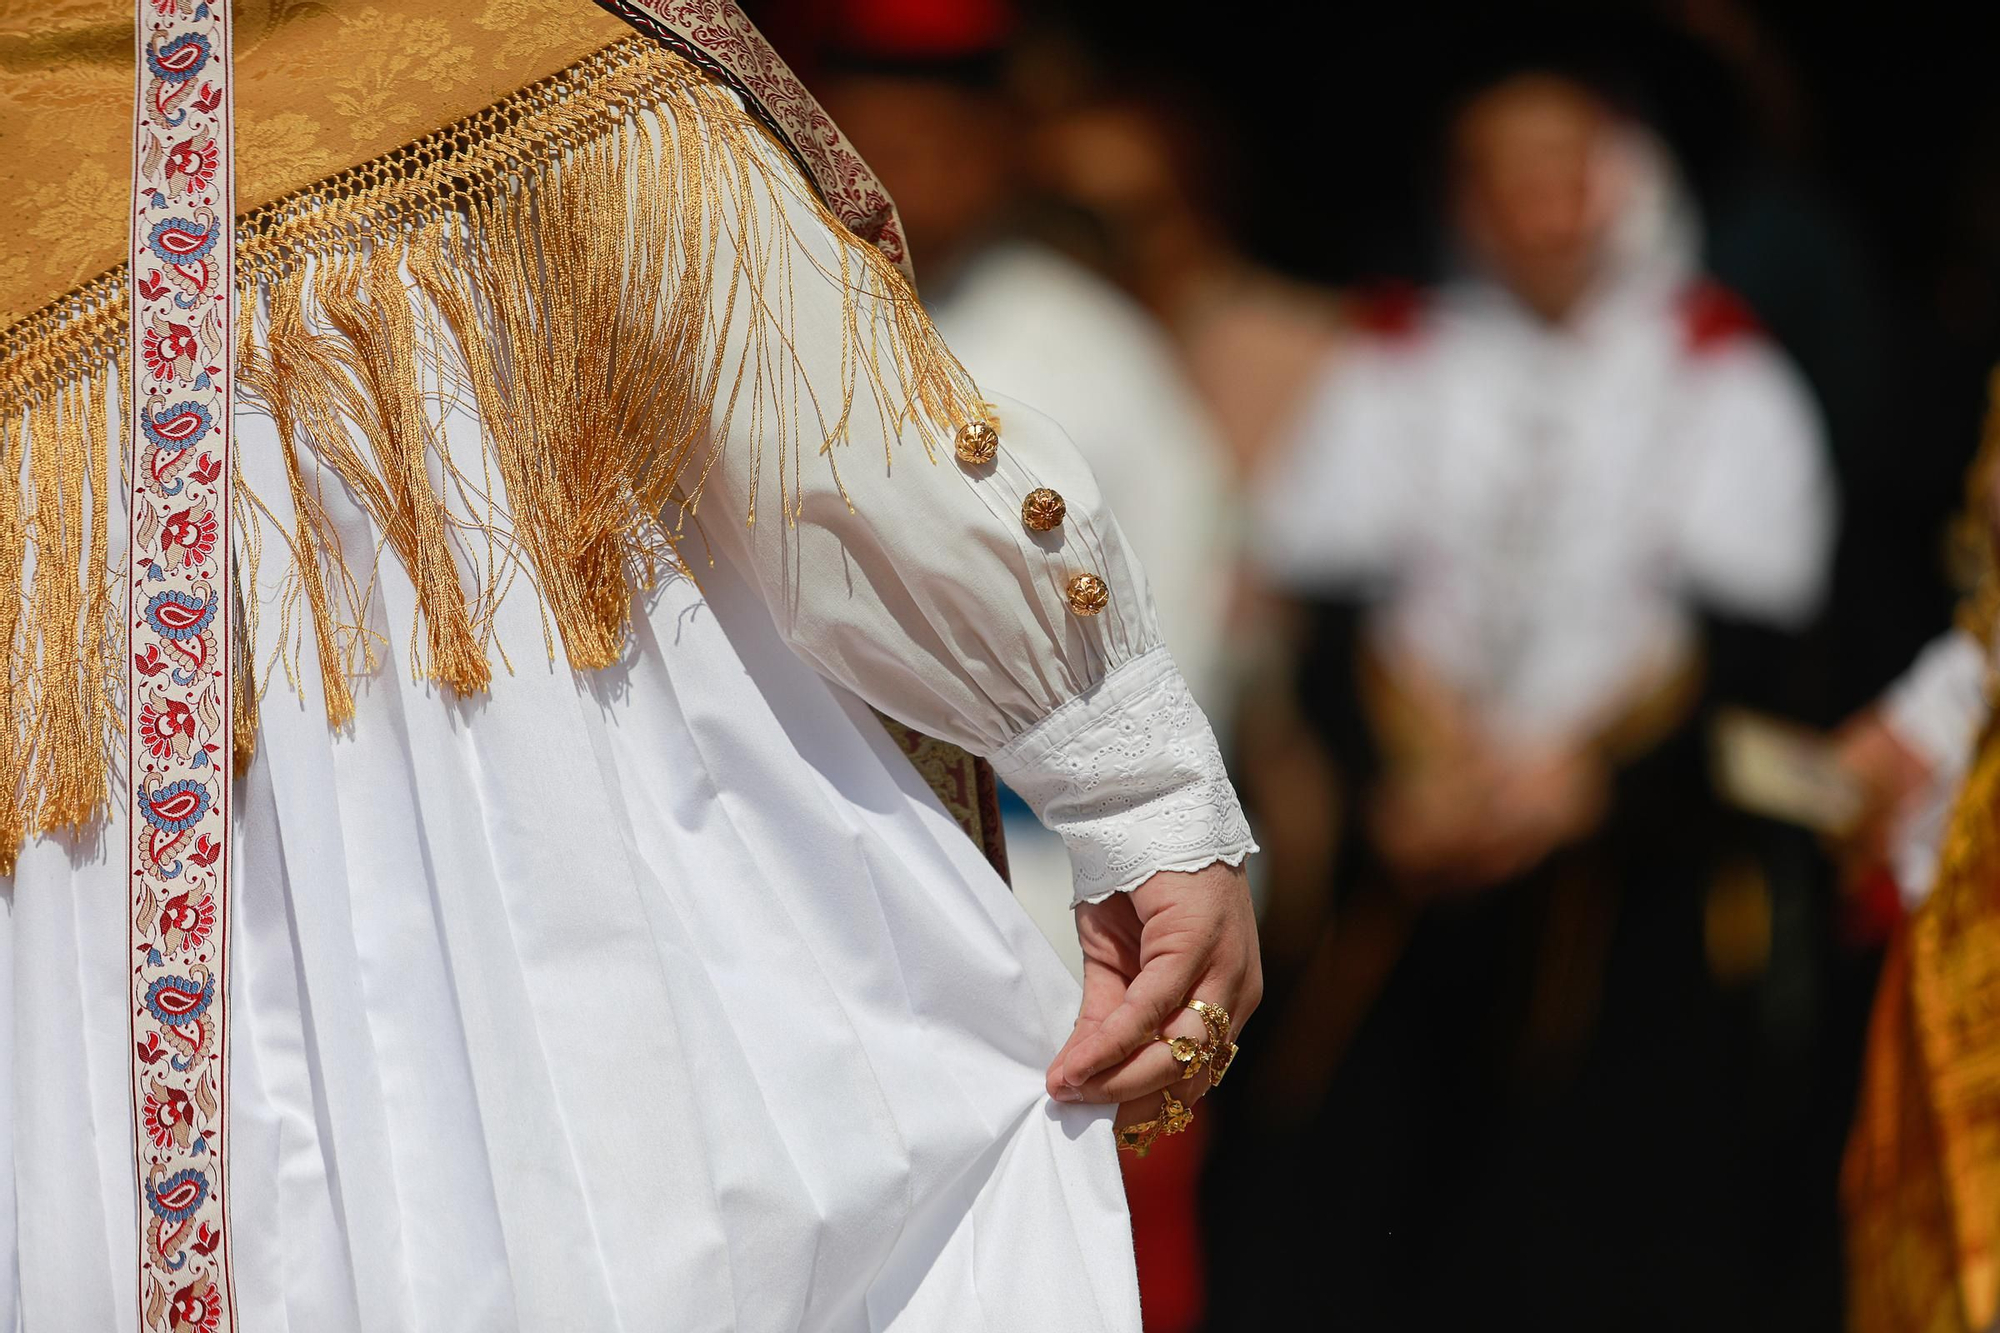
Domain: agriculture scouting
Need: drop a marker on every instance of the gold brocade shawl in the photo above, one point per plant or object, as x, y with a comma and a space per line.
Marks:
471, 150
319, 87
1921, 1182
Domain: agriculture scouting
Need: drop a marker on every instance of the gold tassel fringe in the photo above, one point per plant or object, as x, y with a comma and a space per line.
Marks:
600, 360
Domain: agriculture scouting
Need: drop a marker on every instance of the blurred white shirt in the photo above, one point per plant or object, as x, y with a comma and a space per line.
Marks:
1536, 510
1936, 708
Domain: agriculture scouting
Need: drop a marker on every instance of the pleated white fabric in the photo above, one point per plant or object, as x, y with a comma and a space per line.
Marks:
661, 999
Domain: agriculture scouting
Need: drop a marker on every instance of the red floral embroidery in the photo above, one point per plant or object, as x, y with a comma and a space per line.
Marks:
168, 1116
196, 1308
167, 728
191, 163
186, 924
180, 600
171, 350
189, 535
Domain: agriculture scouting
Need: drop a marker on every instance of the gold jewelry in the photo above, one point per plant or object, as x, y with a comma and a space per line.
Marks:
1087, 594
978, 444
1043, 509
1213, 1017
1174, 1117
1218, 1064
1191, 1055
1220, 1051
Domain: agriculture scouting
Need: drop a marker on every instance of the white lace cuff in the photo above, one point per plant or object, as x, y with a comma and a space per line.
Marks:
1129, 774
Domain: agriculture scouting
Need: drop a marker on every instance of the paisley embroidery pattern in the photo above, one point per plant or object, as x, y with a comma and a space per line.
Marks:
178, 686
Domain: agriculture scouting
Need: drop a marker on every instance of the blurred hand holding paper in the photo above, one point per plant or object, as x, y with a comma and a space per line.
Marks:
1782, 770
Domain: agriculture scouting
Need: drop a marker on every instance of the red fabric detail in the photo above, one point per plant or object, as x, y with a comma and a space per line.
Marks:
1871, 910
921, 29
1712, 317
1391, 310
1161, 1189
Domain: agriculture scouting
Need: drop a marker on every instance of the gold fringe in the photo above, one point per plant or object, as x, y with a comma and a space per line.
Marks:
57, 622
13, 679
600, 361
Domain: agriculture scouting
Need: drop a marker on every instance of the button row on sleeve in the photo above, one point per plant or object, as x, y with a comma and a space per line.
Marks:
1042, 511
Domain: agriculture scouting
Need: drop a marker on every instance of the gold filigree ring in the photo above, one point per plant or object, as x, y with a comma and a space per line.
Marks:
1175, 1116
1213, 1017
1191, 1055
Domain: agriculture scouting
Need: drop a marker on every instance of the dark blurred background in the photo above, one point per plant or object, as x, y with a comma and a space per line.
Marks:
1261, 186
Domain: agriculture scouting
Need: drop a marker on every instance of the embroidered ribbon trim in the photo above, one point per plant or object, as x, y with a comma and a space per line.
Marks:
180, 397
718, 37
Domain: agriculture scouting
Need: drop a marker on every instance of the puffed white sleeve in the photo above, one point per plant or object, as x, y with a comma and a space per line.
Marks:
1757, 534
1936, 708
1332, 510
922, 581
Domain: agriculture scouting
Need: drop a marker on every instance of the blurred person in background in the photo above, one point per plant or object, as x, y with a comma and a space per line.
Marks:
1146, 170
1523, 509
1921, 1186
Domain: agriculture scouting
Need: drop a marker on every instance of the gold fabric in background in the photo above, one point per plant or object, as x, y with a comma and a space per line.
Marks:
1921, 1183
1922, 1177
319, 88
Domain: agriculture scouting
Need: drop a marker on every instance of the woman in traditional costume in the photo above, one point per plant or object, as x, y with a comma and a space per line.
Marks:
529, 502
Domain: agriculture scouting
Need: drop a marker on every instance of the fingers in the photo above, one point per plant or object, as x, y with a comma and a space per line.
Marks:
1197, 938
1144, 1072
1103, 988
1150, 1001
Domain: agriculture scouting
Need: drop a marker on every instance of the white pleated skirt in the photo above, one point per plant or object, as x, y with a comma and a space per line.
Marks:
664, 998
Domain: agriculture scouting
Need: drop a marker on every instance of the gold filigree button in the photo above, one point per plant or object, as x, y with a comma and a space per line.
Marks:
1043, 509
1087, 594
978, 444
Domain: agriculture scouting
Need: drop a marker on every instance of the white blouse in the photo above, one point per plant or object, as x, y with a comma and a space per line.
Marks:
923, 591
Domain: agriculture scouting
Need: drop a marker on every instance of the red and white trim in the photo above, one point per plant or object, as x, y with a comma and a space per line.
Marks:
180, 599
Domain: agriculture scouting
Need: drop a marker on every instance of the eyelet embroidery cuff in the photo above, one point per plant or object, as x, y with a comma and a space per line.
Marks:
1129, 774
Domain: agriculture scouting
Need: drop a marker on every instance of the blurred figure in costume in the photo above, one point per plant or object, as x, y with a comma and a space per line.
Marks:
1921, 1186
1145, 170
449, 610
1523, 504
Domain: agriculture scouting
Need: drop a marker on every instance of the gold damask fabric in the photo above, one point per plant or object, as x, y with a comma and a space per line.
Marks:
319, 87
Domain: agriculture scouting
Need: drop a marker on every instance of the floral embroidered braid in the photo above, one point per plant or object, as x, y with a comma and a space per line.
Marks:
179, 683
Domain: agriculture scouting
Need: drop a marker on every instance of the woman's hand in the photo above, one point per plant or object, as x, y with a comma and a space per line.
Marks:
1179, 936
